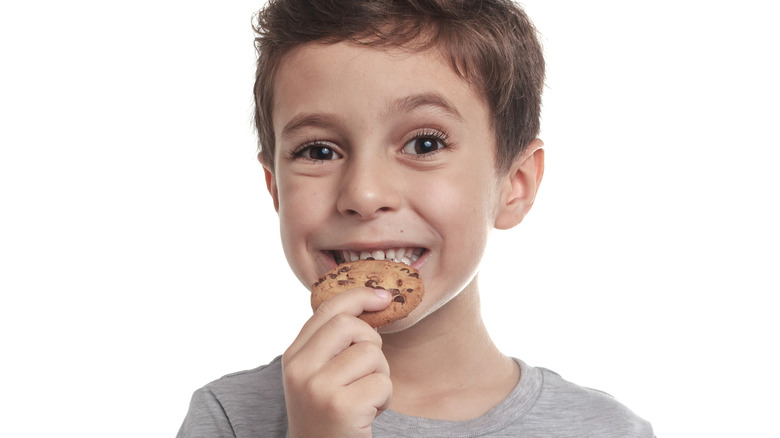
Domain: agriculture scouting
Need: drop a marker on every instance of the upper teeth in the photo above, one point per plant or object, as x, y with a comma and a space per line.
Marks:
403, 255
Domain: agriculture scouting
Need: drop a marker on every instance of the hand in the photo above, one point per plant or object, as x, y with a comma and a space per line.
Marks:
336, 379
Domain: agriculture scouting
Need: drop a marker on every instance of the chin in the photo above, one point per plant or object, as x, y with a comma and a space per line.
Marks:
397, 326
410, 321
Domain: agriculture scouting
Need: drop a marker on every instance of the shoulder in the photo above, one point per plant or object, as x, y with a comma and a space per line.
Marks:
240, 404
256, 384
584, 408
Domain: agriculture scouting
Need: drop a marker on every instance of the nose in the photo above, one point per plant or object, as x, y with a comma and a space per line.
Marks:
367, 190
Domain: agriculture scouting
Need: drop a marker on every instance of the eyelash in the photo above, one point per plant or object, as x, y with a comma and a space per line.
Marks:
435, 134
309, 145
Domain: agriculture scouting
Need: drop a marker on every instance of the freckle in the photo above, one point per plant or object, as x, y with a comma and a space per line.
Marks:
402, 231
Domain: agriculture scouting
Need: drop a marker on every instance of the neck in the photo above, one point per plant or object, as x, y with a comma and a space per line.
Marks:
446, 366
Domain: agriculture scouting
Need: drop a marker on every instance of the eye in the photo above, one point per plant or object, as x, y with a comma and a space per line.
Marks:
317, 152
424, 144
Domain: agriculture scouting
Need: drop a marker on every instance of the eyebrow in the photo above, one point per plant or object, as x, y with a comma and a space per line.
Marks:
306, 120
431, 99
405, 104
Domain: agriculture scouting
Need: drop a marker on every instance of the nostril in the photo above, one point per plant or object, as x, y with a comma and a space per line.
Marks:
353, 212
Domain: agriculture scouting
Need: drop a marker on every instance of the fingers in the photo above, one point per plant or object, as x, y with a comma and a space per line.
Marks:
336, 378
358, 379
356, 361
350, 303
375, 390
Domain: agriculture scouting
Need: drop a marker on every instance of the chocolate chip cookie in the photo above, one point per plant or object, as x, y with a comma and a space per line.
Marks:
401, 280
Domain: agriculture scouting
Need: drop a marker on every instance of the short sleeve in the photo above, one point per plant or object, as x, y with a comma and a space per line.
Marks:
206, 418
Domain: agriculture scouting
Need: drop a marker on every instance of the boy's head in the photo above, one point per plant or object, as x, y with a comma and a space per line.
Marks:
489, 43
379, 127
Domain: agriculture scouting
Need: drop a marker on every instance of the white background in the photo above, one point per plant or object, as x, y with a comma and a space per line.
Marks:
139, 257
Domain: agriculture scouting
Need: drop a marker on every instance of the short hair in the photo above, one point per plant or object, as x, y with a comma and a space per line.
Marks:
492, 44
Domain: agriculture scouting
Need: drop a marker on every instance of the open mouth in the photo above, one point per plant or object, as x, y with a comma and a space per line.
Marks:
402, 255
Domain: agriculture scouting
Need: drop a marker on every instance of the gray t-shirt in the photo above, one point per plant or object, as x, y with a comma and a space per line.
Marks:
251, 404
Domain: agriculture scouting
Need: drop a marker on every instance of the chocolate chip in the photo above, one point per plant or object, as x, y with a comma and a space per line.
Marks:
400, 282
399, 299
405, 270
373, 283
409, 290
344, 269
333, 275
343, 282
394, 291
415, 275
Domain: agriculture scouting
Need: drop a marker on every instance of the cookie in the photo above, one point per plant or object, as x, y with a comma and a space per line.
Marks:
401, 280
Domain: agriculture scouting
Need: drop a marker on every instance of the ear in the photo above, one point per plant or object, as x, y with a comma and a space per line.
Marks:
270, 182
520, 185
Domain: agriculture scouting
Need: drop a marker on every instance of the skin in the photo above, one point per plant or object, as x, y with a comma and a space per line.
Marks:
382, 149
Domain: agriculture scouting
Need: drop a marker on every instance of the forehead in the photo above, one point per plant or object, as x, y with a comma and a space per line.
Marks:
348, 79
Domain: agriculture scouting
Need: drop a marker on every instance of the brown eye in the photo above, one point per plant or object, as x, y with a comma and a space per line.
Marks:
423, 145
319, 153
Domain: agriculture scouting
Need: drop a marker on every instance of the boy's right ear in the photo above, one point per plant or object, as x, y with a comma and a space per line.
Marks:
270, 182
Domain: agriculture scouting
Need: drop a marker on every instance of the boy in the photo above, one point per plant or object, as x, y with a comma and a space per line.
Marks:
399, 127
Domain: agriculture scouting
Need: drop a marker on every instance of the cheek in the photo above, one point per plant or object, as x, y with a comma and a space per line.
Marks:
457, 213
461, 204
301, 210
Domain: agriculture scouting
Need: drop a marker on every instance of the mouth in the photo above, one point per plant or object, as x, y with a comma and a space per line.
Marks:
403, 255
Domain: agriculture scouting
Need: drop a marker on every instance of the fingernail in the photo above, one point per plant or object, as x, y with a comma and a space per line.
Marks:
381, 293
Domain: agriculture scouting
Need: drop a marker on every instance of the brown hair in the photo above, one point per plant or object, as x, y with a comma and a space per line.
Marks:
490, 43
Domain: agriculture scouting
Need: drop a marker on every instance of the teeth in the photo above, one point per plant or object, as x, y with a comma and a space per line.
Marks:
404, 255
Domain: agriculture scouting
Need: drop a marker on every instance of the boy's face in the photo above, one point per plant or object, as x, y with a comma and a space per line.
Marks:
379, 150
